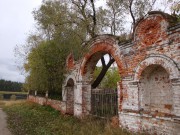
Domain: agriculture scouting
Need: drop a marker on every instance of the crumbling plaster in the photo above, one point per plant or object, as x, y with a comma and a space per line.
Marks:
155, 42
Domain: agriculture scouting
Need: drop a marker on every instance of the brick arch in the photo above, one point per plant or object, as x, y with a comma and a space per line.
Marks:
68, 78
104, 46
96, 48
164, 61
70, 61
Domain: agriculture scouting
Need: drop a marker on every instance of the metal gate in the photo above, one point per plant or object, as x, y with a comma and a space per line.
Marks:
104, 102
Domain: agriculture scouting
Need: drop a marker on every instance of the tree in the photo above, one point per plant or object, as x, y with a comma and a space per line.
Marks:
110, 79
103, 72
86, 15
138, 8
10, 86
45, 60
115, 16
62, 27
46, 67
175, 8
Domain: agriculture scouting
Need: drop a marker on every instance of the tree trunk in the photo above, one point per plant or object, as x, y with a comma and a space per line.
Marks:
103, 72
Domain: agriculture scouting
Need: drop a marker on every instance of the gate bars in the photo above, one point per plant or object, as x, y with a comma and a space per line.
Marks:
104, 102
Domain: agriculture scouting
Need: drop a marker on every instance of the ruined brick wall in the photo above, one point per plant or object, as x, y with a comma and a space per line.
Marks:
58, 105
149, 65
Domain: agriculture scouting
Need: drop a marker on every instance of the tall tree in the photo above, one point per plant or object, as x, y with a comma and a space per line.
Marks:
115, 16
138, 8
46, 69
46, 58
86, 15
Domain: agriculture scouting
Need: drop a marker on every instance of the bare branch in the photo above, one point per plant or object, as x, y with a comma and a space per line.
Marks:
94, 18
130, 9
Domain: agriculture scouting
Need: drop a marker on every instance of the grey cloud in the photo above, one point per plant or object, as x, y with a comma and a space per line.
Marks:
9, 71
16, 22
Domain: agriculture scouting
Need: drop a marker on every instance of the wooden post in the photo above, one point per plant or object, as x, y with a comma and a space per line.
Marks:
35, 93
46, 96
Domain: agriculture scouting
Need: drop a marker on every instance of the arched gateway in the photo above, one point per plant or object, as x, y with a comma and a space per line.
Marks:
149, 66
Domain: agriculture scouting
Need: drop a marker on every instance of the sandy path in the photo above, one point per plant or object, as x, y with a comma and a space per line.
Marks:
3, 124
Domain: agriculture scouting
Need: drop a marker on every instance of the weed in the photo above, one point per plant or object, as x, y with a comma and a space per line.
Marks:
1, 96
32, 119
13, 97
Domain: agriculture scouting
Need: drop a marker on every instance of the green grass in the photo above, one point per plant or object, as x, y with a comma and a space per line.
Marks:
31, 119
9, 92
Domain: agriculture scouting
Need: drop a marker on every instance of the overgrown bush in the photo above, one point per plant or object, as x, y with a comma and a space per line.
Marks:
13, 97
1, 97
55, 95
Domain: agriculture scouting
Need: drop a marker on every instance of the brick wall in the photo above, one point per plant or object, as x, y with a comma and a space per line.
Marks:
56, 104
149, 66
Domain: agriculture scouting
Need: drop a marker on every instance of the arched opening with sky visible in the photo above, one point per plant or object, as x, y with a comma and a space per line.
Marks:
103, 80
95, 99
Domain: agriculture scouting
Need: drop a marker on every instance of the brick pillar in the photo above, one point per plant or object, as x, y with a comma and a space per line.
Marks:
176, 96
78, 100
86, 99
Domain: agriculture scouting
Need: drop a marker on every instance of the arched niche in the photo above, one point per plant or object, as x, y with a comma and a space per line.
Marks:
158, 72
155, 90
70, 96
168, 64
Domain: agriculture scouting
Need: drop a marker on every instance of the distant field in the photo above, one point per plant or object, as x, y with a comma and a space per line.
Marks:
9, 92
8, 95
4, 103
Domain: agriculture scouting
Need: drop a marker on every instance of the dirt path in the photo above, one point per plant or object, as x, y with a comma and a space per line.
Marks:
3, 124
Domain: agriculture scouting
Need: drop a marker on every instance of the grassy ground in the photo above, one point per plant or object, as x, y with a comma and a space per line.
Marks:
9, 92
8, 103
27, 118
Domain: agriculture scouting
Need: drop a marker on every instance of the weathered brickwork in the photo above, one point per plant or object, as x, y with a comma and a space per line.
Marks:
149, 66
58, 105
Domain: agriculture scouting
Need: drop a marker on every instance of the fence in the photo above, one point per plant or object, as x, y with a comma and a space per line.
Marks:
8, 95
104, 102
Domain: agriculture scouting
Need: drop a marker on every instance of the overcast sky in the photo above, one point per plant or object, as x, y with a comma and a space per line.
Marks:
16, 21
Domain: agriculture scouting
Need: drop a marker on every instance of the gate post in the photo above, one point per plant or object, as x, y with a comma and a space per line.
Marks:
82, 99
78, 100
86, 99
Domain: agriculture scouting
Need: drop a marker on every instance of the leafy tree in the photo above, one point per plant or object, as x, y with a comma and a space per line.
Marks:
138, 8
110, 79
46, 66
10, 86
115, 16
86, 15
46, 57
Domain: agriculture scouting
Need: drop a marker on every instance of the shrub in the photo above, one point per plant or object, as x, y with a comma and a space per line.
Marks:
1, 97
13, 97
